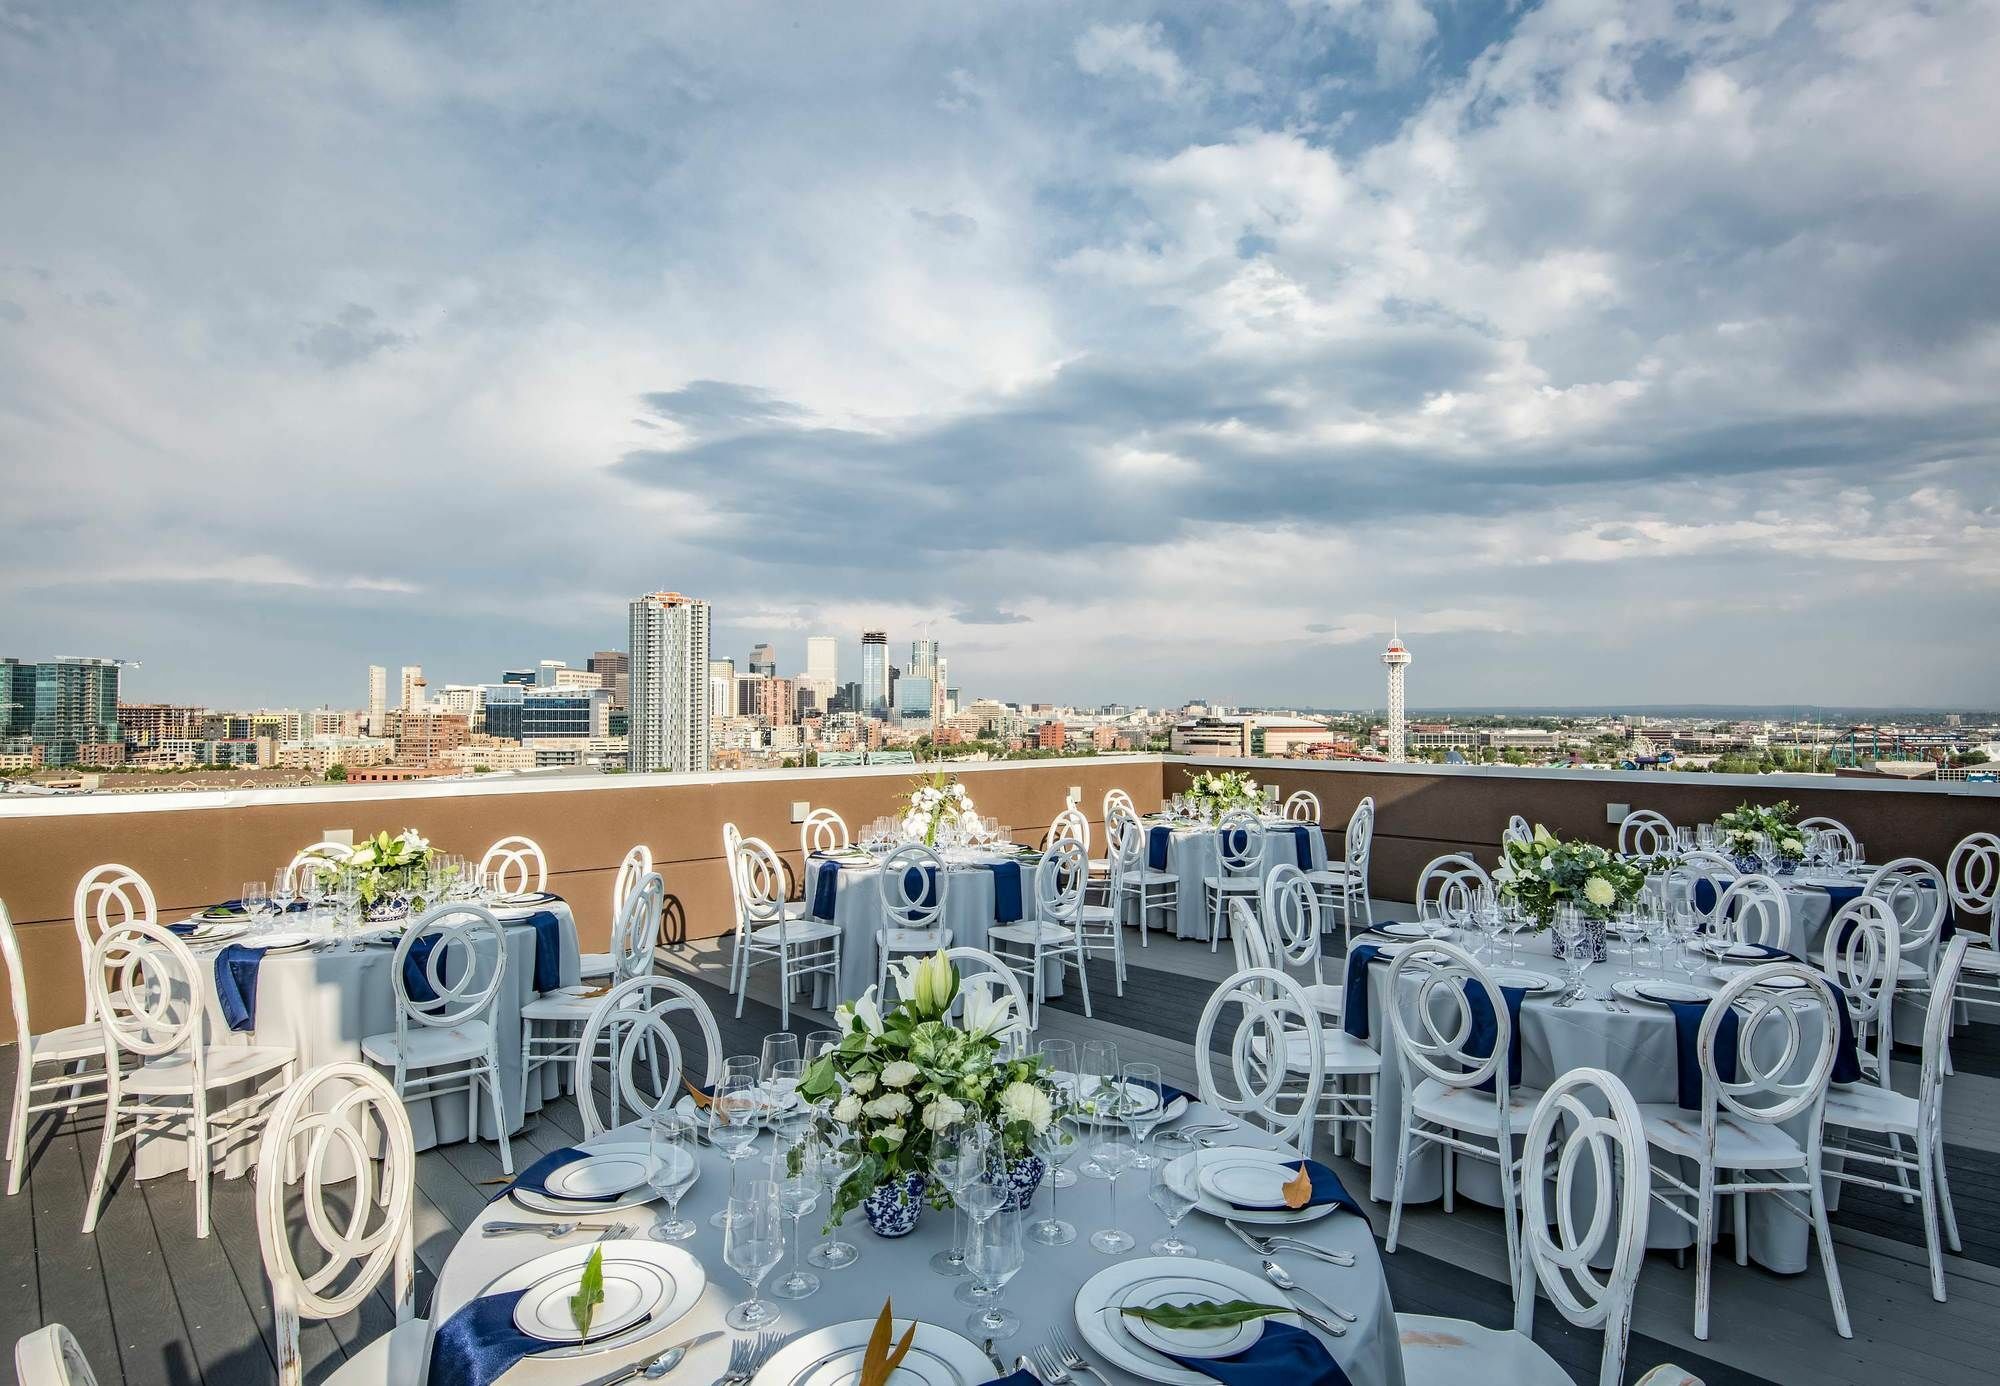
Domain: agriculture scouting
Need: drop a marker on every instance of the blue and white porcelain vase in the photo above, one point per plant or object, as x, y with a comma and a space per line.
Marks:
1024, 1176
893, 1206
1591, 947
1748, 866
1787, 865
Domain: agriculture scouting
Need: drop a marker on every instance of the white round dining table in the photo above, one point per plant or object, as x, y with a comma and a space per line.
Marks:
1191, 855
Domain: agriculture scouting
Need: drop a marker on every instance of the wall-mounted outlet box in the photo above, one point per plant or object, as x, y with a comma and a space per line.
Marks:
1616, 813
800, 808
1076, 794
344, 836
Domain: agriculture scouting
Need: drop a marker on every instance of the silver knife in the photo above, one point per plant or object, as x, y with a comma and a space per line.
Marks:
639, 1368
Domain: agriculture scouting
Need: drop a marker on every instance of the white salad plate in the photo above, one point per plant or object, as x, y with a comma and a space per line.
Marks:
832, 1357
647, 1287
278, 943
1147, 1100
1728, 972
1181, 1173
600, 1177
1151, 1280
1640, 989
1187, 1342
1534, 983
1413, 929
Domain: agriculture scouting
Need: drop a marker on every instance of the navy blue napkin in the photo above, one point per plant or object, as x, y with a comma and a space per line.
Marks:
296, 907
1687, 1056
1168, 1092
416, 968
236, 984
1354, 1007
1327, 1188
1706, 893
1282, 1353
1302, 839
1157, 838
184, 928
1846, 1062
548, 949
1006, 890
1235, 842
534, 1179
477, 1345
1486, 1026
826, 885
929, 898
1023, 1377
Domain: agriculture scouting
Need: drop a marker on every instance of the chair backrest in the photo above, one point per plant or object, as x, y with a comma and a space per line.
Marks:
1754, 910
1862, 955
463, 966
519, 863
633, 1022
1973, 873
1125, 841
1070, 823
631, 871
344, 1113
1060, 881
1645, 833
1517, 831
1808, 826
1274, 1015
106, 897
1361, 833
17, 983
760, 876
977, 962
1449, 887
1937, 1032
635, 932
1292, 914
732, 845
1601, 1164
1431, 1017
1250, 937
1719, 871
1117, 800
1302, 806
1772, 1037
145, 990
320, 857
1917, 893
51, 1356
1239, 843
913, 882
823, 831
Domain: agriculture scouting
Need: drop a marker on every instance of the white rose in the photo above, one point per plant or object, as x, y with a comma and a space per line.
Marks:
848, 1110
892, 1135
900, 1074
890, 1106
864, 1083
942, 1112
1026, 1102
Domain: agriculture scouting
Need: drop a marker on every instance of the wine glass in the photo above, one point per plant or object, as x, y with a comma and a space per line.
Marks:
777, 1049
836, 1165
1570, 931
1097, 1090
790, 1116
670, 1170
996, 1257
1060, 1057
819, 1042
1173, 1199
798, 1195
1055, 1143
982, 1199
284, 890
732, 1127
1141, 1082
753, 1241
1113, 1156
253, 901
958, 1158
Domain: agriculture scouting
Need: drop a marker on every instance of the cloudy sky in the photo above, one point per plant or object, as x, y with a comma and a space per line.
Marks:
1619, 350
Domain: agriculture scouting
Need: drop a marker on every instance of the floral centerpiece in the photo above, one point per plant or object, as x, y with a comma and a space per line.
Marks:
1215, 792
1743, 825
936, 800
1545, 873
896, 1080
383, 868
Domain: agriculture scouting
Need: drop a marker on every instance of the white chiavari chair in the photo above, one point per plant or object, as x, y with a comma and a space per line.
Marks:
1644, 833
51, 1356
77, 1049
1973, 870
447, 1042
1518, 831
519, 863
1294, 920
162, 1072
1808, 826
108, 897
1587, 1264
1056, 931
1343, 884
775, 929
1239, 869
1685, 876
1862, 955
1149, 887
319, 858
985, 964
1741, 1148
632, 873
914, 886
634, 1022
1428, 996
1858, 1110
1267, 1091
1754, 910
1918, 894
358, 1211
823, 831
1101, 923
1069, 823
1449, 887
1118, 801
552, 1025
1302, 806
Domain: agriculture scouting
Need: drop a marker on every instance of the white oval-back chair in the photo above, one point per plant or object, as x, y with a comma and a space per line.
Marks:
1449, 889
1239, 870
1343, 884
1302, 806
914, 886
1150, 888
341, 1135
519, 863
78, 1050
320, 858
108, 897
1644, 833
1918, 894
1518, 831
1849, 846
1754, 910
631, 1023
1055, 933
553, 1024
822, 831
1268, 1009
1862, 955
1974, 873
775, 930
632, 872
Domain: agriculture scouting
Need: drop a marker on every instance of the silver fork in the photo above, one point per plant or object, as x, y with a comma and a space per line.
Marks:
739, 1363
1068, 1358
1271, 1246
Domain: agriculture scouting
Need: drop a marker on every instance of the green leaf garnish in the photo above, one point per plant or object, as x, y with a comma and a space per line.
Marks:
1206, 1313
583, 1304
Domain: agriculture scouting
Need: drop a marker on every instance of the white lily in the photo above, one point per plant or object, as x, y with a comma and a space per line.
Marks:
868, 1012
927, 983
987, 1014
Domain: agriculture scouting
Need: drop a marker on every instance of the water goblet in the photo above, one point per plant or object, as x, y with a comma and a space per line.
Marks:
670, 1170
798, 1195
254, 899
284, 890
1172, 1198
995, 1258
982, 1199
958, 1159
836, 1165
1113, 1156
733, 1111
819, 1042
753, 1241
1055, 1143
1060, 1057
1142, 1108
1097, 1091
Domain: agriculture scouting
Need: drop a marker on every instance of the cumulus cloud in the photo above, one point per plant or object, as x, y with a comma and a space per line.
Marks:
1135, 49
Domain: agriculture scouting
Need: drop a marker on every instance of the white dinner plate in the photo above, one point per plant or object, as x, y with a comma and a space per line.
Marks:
1412, 929
1726, 972
1534, 983
526, 897
600, 1177
1726, 948
277, 943
642, 1193
832, 1357
1186, 1342
1127, 1282
217, 933
1181, 1173
647, 1286
1639, 989
1247, 1179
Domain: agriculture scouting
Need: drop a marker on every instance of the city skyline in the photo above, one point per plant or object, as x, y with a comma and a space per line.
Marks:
1138, 351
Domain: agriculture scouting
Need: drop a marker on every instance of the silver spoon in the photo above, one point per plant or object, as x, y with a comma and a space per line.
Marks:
1280, 1277
661, 1365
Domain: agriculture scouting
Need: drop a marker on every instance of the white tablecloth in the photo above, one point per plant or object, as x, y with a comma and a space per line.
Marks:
1043, 1294
323, 1004
1191, 855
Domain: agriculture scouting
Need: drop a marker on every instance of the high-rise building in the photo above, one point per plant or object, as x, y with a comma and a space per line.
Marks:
17, 698
763, 660
378, 695
67, 705
822, 659
412, 699
923, 658
670, 683
520, 678
1397, 660
875, 673
146, 725
551, 712
615, 668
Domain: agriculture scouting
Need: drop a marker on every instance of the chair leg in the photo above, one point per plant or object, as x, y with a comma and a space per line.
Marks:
1936, 1147
527, 1060
1740, 1224
1926, 1180
1902, 1175
1507, 1210
1082, 970
103, 1174
1824, 1231
499, 1111
17, 1124
1704, 1251
201, 1178
784, 985
1449, 1157
743, 989
1035, 1019
1396, 1200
